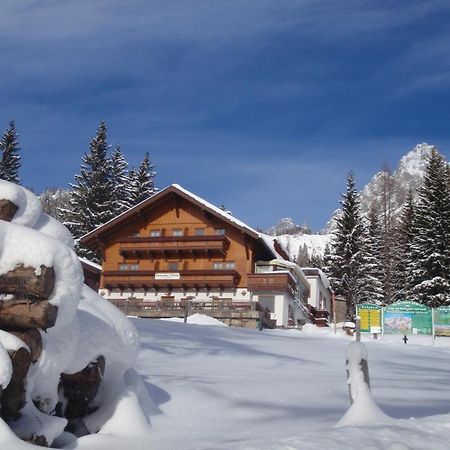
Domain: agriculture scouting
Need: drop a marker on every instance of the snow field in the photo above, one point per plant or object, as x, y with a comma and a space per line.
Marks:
231, 388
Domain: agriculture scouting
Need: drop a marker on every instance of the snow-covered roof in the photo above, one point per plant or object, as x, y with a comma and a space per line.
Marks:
290, 266
90, 239
225, 214
90, 264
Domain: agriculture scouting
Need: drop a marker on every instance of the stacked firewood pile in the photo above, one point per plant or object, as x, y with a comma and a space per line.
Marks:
26, 313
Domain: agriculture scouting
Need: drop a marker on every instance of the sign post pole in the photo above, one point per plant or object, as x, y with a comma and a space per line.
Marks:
433, 335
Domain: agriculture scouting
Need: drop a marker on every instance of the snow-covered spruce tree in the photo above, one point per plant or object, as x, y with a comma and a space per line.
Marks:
429, 272
9, 152
54, 200
344, 264
386, 235
403, 259
372, 270
120, 181
91, 202
142, 185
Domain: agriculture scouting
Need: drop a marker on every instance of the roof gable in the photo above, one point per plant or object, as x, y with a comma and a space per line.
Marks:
92, 238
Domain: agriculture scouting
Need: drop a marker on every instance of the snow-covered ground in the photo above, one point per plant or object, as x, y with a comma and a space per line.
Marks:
232, 388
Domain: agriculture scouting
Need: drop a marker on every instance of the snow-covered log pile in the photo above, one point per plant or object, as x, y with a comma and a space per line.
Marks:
66, 354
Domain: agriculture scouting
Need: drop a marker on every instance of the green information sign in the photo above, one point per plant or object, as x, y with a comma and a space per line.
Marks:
407, 318
442, 321
370, 317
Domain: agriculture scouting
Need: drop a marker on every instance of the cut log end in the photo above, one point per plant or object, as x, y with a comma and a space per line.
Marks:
81, 388
13, 396
7, 210
33, 339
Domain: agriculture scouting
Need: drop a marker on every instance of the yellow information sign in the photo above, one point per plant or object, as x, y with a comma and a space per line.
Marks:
370, 317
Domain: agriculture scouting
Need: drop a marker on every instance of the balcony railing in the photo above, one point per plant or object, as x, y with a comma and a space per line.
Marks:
130, 279
150, 247
271, 281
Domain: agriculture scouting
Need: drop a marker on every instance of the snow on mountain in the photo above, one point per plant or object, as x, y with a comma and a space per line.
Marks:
304, 246
286, 225
392, 189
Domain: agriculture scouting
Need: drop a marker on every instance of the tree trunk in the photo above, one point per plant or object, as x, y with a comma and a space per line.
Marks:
29, 282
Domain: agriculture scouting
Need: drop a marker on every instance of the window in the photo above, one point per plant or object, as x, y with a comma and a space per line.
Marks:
177, 232
172, 266
155, 233
199, 231
124, 266
220, 231
225, 265
134, 234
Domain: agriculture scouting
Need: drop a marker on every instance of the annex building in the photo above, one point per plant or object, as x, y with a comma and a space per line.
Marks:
175, 254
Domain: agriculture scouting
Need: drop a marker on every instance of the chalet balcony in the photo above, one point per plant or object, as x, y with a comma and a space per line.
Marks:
174, 246
271, 281
184, 279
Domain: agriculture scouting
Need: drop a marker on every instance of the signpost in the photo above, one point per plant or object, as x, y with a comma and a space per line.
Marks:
407, 318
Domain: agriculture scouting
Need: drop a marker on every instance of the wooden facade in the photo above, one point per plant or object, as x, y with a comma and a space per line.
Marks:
179, 247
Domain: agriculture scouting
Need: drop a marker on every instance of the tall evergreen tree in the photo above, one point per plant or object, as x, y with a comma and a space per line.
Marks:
9, 152
372, 270
430, 274
345, 262
91, 202
142, 181
404, 260
120, 181
387, 229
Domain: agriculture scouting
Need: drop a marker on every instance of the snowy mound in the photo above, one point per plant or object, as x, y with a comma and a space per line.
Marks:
82, 337
199, 319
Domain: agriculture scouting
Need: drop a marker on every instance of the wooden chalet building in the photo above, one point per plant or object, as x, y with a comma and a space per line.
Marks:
175, 253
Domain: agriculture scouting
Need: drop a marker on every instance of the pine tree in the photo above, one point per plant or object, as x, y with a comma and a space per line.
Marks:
387, 229
345, 262
372, 270
120, 181
10, 158
142, 181
404, 259
429, 274
91, 202
54, 200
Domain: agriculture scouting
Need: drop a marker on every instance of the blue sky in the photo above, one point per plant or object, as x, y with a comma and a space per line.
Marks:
263, 105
